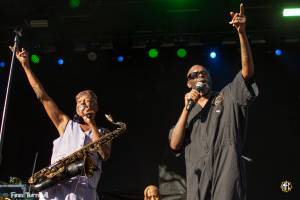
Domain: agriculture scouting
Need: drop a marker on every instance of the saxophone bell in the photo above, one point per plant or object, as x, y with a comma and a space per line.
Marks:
84, 167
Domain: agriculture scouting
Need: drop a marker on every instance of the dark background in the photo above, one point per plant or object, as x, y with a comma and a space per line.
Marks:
147, 94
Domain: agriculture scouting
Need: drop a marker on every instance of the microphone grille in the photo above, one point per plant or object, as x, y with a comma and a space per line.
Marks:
82, 107
199, 86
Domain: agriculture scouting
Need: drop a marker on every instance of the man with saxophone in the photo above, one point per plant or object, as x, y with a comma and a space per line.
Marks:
73, 135
212, 126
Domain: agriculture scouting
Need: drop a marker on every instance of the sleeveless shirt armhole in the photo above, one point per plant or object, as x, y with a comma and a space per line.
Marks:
70, 121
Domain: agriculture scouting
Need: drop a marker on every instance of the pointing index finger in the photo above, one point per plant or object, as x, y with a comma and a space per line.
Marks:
242, 10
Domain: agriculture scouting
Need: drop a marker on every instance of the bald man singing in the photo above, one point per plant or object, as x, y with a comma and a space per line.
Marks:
212, 126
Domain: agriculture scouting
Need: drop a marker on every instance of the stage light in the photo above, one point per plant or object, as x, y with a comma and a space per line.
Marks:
60, 61
35, 59
120, 58
278, 52
74, 3
2, 64
92, 56
181, 53
290, 12
153, 53
213, 55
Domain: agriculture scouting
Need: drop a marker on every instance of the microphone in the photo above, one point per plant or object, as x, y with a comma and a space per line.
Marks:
82, 107
199, 87
89, 114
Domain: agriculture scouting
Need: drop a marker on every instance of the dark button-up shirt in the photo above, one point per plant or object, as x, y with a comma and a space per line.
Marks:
214, 141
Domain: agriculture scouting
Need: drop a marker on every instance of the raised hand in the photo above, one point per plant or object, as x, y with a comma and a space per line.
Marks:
22, 56
239, 20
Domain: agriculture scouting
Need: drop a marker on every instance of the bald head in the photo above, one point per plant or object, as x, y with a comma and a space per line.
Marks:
195, 68
198, 73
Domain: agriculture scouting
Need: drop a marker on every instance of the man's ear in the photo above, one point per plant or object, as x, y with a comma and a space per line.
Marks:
189, 85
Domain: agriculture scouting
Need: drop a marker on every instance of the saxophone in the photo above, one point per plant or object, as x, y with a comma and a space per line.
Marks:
78, 163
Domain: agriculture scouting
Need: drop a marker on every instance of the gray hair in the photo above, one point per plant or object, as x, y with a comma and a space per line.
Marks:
87, 92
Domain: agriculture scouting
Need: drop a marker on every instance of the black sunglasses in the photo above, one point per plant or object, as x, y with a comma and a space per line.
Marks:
196, 74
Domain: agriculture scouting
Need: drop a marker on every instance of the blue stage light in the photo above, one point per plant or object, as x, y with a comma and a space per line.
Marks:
213, 55
60, 61
278, 52
120, 58
2, 64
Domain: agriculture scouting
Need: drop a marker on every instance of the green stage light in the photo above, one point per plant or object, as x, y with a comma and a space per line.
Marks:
74, 3
153, 53
181, 53
35, 59
290, 12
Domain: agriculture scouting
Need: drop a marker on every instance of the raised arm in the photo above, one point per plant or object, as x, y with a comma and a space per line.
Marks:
58, 118
239, 22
